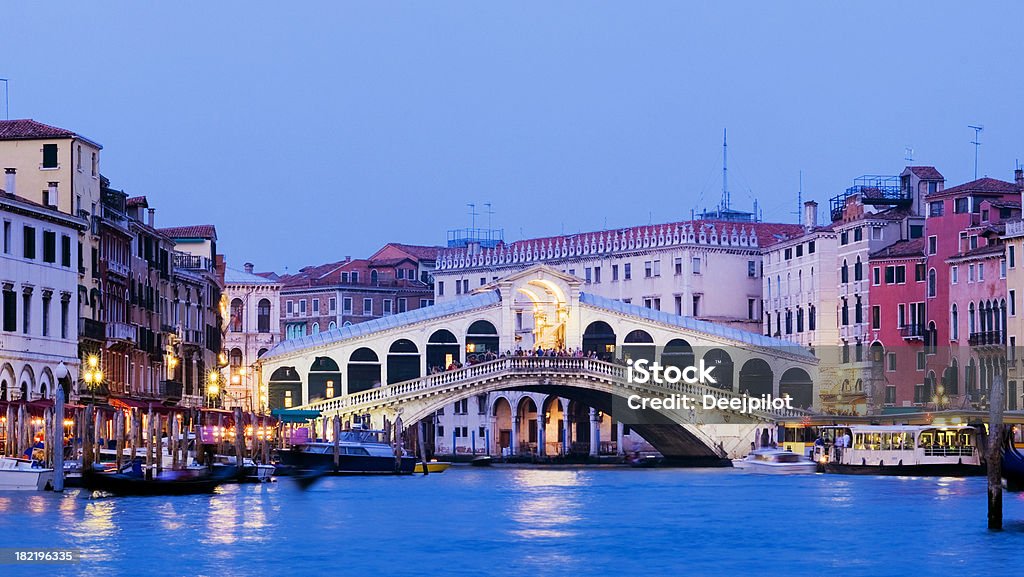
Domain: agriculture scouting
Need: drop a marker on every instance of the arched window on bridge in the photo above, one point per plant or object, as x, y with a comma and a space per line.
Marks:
481, 338
677, 353
723, 364
637, 345
363, 370
756, 377
324, 379
442, 350
599, 338
284, 389
797, 384
403, 361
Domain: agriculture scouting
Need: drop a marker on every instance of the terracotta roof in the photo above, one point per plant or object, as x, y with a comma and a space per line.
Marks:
207, 231
926, 172
988, 249
982, 185
1004, 203
137, 201
28, 129
902, 249
389, 261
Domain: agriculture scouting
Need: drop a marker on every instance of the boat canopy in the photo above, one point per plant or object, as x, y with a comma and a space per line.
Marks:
294, 415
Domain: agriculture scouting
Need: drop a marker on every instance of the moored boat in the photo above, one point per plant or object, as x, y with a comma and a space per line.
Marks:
775, 461
360, 452
482, 461
24, 475
905, 450
124, 484
432, 467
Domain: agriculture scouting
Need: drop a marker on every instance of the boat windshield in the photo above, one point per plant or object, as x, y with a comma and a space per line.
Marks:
364, 437
784, 458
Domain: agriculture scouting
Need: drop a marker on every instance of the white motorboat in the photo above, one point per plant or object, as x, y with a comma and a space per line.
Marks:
776, 461
24, 475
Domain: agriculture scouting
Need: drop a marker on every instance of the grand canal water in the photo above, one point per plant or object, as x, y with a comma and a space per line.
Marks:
530, 522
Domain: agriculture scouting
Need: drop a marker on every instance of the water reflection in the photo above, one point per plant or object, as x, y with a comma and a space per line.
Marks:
549, 505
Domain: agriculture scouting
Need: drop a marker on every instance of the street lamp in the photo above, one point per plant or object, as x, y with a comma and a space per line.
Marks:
92, 375
212, 385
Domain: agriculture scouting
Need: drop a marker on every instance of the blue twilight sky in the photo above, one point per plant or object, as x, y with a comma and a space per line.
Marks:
310, 131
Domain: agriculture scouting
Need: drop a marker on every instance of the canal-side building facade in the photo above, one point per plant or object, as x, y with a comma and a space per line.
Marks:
253, 328
39, 282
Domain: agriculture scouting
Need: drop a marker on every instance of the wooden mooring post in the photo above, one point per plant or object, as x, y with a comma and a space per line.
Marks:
994, 459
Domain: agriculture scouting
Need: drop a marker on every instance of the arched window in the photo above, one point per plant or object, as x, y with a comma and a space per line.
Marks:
811, 319
316, 328
954, 324
970, 320
263, 316
235, 358
931, 283
844, 273
858, 270
332, 326
799, 319
374, 277
237, 312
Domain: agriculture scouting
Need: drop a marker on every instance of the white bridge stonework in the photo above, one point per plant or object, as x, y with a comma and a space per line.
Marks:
538, 307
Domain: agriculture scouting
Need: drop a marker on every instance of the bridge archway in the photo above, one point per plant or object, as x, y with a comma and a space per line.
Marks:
756, 378
677, 353
481, 338
554, 426
599, 339
403, 361
526, 410
797, 384
442, 350
724, 368
324, 379
363, 370
501, 411
638, 344
284, 389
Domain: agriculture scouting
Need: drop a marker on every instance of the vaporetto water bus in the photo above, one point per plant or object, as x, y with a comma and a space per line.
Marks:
911, 450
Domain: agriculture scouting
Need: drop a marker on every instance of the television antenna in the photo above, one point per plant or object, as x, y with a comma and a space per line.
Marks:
908, 153
472, 214
977, 144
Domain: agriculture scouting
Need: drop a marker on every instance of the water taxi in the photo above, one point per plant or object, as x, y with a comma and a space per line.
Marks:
776, 461
921, 450
360, 452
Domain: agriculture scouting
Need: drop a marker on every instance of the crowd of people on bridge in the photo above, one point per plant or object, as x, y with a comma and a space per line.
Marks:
475, 359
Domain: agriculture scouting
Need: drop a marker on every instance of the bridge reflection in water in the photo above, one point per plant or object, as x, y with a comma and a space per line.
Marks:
374, 371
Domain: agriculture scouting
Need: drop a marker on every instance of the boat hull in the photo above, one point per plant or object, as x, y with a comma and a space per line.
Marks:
776, 469
347, 464
26, 480
433, 467
926, 470
119, 484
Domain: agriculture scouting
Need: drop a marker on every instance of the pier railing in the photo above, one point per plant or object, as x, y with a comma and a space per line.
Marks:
532, 366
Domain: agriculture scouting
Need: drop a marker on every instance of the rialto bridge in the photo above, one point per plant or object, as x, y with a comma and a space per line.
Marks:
474, 355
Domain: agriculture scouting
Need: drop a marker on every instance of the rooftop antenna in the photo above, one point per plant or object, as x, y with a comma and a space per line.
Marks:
489, 212
472, 214
7, 99
908, 153
725, 171
977, 144
799, 201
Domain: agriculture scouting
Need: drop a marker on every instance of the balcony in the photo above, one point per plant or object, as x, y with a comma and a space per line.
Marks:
121, 332
192, 337
118, 269
986, 338
912, 332
90, 329
170, 390
187, 261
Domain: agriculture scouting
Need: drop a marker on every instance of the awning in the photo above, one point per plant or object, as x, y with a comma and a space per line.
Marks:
294, 415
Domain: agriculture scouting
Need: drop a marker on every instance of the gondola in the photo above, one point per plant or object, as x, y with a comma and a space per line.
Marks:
127, 484
1013, 465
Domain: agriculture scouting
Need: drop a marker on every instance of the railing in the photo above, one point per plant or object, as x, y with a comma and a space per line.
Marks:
192, 336
534, 366
1015, 228
912, 332
90, 329
118, 268
192, 262
948, 451
986, 338
121, 331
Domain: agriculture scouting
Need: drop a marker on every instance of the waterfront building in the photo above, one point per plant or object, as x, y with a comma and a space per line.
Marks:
395, 279
253, 328
1014, 244
963, 239
197, 310
39, 281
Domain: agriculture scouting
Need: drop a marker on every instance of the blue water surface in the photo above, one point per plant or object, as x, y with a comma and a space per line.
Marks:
528, 521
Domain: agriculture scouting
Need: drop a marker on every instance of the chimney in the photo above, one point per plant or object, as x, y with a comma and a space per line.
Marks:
1018, 176
348, 258
53, 194
248, 267
810, 215
151, 217
10, 180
